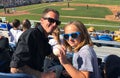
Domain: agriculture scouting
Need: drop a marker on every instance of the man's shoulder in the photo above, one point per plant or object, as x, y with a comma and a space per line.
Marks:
31, 31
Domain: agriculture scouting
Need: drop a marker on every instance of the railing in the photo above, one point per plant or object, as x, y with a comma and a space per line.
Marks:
103, 33
114, 43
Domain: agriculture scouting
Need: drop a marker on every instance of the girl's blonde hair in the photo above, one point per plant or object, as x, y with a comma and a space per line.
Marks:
85, 38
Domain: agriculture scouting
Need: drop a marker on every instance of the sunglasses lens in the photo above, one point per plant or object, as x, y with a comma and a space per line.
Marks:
74, 35
66, 36
58, 22
51, 20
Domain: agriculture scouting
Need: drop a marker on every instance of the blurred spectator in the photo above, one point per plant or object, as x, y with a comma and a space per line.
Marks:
117, 36
4, 9
112, 66
92, 32
15, 30
8, 11
93, 35
117, 15
3, 42
13, 33
25, 25
4, 54
105, 36
91, 29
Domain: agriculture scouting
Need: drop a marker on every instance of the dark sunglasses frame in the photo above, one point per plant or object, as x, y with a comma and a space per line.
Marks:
51, 20
72, 35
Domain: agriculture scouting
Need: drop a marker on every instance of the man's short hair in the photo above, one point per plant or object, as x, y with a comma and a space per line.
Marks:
48, 10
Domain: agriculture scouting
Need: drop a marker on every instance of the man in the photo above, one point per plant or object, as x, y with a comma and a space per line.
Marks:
33, 46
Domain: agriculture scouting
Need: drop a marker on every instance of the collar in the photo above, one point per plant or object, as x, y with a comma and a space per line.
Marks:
42, 30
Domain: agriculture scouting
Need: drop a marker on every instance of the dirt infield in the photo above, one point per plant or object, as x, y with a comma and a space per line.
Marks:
15, 13
113, 9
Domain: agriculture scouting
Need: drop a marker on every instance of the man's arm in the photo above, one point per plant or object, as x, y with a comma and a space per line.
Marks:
38, 74
26, 69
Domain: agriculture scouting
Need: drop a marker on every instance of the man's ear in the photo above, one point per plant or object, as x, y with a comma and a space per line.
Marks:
41, 19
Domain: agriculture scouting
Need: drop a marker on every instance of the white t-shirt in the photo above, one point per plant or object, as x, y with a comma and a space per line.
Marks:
86, 60
53, 42
14, 35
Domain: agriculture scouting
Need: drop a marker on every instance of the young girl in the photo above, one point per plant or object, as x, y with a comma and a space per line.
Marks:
84, 62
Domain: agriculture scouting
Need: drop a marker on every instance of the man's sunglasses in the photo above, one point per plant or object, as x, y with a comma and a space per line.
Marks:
72, 35
51, 20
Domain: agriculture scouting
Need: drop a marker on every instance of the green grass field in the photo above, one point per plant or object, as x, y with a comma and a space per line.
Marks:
78, 13
105, 2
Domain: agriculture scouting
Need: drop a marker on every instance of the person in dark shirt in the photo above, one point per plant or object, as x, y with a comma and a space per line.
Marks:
4, 54
33, 46
112, 66
3, 42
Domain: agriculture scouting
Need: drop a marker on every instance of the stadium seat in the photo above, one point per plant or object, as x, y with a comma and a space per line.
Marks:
3, 26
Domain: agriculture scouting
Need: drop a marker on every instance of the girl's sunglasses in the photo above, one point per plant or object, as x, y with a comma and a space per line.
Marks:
72, 35
51, 20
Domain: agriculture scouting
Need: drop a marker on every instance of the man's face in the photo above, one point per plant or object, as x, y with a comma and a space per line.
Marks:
50, 21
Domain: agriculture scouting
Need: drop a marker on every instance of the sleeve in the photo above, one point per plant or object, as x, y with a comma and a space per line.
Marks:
22, 53
87, 60
11, 36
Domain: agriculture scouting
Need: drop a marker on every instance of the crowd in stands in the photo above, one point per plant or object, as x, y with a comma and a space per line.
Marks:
76, 60
104, 35
112, 66
15, 30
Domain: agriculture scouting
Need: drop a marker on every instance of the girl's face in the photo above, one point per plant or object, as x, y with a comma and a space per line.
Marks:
72, 35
